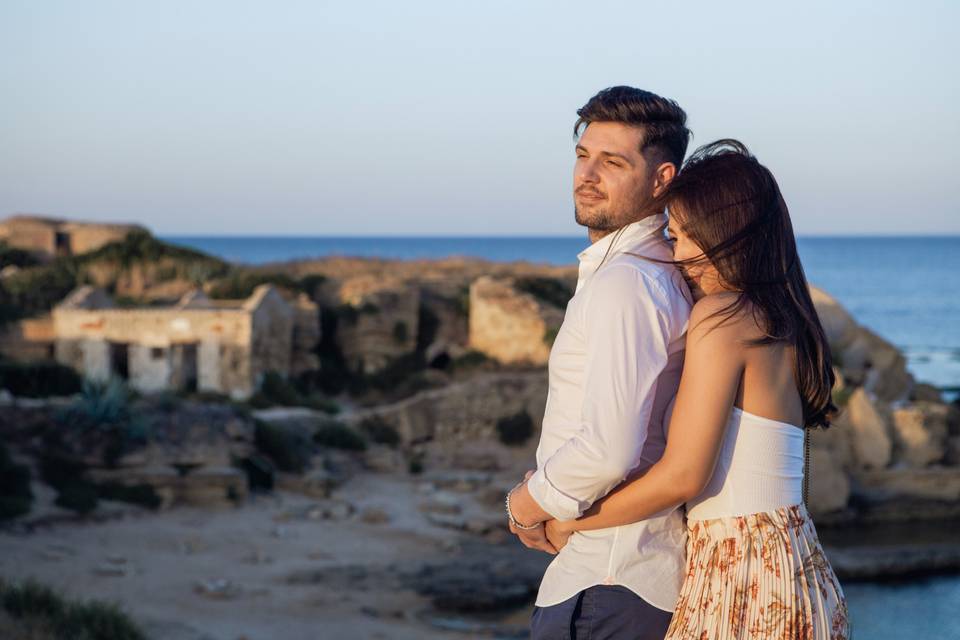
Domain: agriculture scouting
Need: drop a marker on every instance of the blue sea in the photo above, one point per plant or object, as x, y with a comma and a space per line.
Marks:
905, 289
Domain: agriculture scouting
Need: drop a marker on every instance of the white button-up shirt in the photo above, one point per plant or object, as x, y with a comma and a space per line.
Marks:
614, 368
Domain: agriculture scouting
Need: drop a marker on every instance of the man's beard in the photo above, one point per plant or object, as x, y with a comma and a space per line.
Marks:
600, 221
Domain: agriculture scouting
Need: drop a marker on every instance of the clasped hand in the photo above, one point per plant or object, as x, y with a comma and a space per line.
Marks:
549, 536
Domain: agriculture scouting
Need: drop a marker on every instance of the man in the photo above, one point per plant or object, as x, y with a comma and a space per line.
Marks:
614, 369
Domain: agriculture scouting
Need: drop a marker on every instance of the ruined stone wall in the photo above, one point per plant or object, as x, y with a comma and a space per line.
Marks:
36, 233
378, 322
32, 235
465, 411
222, 337
272, 335
28, 339
89, 237
306, 336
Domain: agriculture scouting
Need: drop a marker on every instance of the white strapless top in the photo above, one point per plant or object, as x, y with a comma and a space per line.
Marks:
760, 468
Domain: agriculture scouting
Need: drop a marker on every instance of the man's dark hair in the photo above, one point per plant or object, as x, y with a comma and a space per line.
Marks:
665, 134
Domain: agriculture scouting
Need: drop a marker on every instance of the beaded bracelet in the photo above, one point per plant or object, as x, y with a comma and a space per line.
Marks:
513, 521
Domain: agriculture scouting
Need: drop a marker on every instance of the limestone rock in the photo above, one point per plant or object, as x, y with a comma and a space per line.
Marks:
837, 440
509, 325
377, 321
203, 487
920, 432
923, 392
872, 444
829, 486
864, 358
463, 411
837, 322
445, 323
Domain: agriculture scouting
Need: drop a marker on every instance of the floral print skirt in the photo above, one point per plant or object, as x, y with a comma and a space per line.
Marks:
761, 576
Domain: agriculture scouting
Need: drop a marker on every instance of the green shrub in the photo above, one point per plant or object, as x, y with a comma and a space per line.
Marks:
276, 389
15, 493
516, 429
259, 470
140, 494
81, 497
310, 282
320, 402
549, 290
103, 415
415, 465
337, 435
37, 606
37, 289
39, 379
239, 284
11, 256
427, 325
400, 331
471, 359
379, 431
58, 470
31, 599
286, 449
463, 302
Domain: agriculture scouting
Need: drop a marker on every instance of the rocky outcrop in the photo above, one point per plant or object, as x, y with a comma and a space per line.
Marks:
377, 321
864, 358
829, 483
509, 325
920, 433
444, 322
883, 451
870, 426
464, 411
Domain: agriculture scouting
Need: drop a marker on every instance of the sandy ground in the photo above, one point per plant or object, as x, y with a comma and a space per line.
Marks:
282, 572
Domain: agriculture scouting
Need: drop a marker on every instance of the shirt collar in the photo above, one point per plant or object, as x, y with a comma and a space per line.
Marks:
626, 238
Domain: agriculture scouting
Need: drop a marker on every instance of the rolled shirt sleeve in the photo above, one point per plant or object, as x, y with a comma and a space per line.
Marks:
627, 335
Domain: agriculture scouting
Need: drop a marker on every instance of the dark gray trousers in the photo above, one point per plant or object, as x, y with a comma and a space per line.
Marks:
602, 612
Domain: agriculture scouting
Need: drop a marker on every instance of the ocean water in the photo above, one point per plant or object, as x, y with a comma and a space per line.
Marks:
906, 289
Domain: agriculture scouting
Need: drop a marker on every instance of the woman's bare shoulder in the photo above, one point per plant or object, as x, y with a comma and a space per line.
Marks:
721, 315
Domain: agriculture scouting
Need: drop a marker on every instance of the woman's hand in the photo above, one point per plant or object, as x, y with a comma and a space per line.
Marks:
558, 533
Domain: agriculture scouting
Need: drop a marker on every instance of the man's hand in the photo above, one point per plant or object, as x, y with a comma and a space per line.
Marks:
557, 533
534, 538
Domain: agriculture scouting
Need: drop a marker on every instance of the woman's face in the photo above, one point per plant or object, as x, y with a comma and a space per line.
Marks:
701, 276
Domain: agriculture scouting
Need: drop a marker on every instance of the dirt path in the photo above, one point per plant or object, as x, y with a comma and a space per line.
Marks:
274, 568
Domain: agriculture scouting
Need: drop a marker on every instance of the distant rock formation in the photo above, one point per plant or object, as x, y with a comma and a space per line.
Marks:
893, 449
52, 237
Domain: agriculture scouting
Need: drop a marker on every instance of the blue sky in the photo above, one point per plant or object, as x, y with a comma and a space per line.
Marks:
449, 118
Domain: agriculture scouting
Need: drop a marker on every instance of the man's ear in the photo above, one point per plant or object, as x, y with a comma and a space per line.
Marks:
664, 174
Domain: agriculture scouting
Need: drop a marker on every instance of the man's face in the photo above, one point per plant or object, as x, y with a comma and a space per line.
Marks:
611, 178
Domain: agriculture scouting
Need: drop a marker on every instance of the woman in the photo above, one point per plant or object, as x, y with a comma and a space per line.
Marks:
757, 373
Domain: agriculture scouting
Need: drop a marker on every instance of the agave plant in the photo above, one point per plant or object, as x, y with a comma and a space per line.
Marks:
102, 414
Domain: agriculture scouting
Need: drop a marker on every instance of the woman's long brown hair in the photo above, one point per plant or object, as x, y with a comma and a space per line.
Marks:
731, 207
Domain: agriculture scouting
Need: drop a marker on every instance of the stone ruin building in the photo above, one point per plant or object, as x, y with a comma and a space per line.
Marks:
54, 237
197, 344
